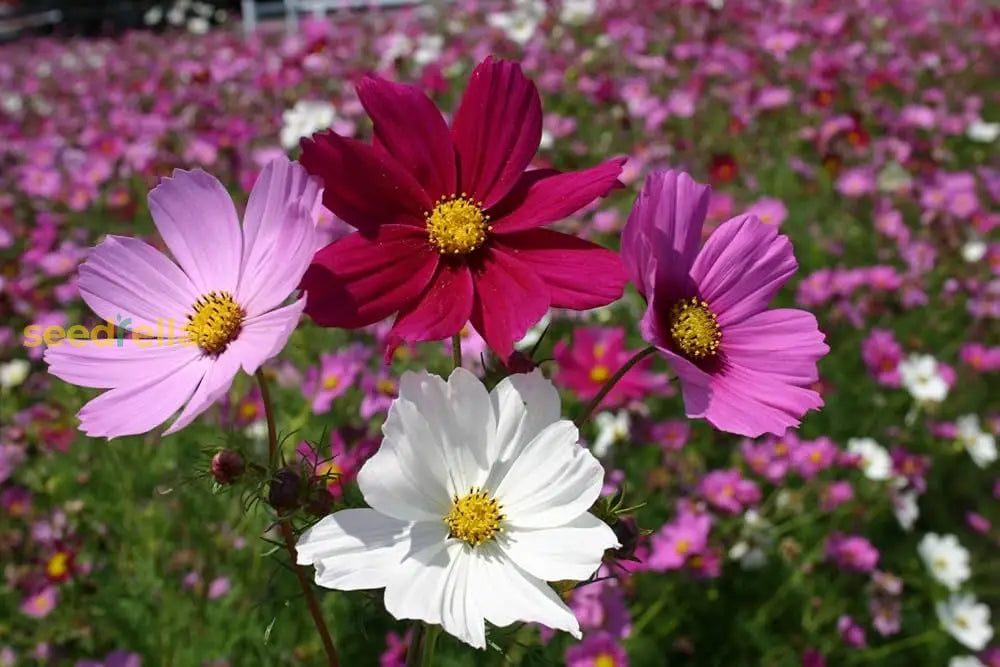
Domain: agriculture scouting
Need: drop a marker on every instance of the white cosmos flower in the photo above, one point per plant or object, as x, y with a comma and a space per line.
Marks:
921, 376
520, 23
304, 119
13, 373
974, 250
477, 500
983, 132
965, 661
611, 429
906, 509
577, 11
875, 460
982, 446
966, 619
947, 560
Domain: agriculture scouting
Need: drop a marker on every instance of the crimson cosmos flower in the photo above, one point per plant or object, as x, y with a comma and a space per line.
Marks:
449, 221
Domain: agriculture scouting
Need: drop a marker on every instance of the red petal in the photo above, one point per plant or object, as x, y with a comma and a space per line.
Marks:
579, 274
411, 129
543, 195
496, 130
443, 308
363, 186
356, 281
510, 298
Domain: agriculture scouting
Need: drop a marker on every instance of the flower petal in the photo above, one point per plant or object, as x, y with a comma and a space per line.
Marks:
356, 281
552, 482
417, 588
741, 267
214, 384
580, 274
197, 220
411, 129
524, 404
362, 186
663, 231
571, 551
279, 234
496, 130
141, 407
543, 196
508, 594
131, 284
108, 363
510, 298
441, 311
264, 336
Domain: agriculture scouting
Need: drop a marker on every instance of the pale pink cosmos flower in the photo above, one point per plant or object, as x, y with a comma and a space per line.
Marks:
223, 298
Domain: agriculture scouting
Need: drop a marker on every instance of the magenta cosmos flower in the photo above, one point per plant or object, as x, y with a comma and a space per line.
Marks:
196, 322
743, 367
449, 222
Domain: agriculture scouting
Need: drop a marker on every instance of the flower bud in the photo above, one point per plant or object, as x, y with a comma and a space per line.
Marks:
519, 362
227, 466
627, 531
321, 501
285, 487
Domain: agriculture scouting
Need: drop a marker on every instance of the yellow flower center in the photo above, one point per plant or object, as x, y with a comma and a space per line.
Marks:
694, 328
330, 382
58, 565
328, 469
599, 373
215, 323
475, 517
683, 546
457, 226
604, 660
248, 410
386, 387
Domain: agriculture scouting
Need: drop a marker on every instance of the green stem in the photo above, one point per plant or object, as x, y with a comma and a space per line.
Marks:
456, 350
612, 381
289, 538
420, 652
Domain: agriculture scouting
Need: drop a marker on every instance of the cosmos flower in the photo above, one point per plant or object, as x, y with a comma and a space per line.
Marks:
195, 322
744, 368
477, 500
873, 459
449, 222
980, 444
922, 376
966, 619
946, 559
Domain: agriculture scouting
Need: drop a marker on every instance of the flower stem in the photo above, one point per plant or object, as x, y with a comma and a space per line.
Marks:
286, 533
420, 652
456, 350
612, 381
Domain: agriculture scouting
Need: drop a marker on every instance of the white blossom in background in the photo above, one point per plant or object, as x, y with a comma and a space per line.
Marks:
477, 499
428, 49
521, 22
982, 446
13, 373
922, 377
875, 461
965, 661
611, 429
966, 619
945, 559
198, 25
304, 119
756, 538
535, 333
974, 250
983, 132
577, 11
906, 509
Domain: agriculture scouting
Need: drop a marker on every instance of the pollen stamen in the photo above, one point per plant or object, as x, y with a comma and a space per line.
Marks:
694, 328
215, 323
475, 517
457, 225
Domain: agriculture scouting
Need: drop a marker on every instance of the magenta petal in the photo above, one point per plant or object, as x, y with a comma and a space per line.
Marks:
579, 274
543, 196
770, 359
363, 186
196, 218
441, 311
663, 230
356, 281
411, 129
496, 130
510, 298
741, 267
141, 407
108, 363
279, 235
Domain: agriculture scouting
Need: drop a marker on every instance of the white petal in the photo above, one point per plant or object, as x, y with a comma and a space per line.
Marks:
552, 482
460, 613
508, 594
524, 404
417, 588
572, 551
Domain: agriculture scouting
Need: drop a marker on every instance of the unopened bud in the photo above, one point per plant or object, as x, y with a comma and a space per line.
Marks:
627, 531
285, 487
227, 466
321, 501
519, 362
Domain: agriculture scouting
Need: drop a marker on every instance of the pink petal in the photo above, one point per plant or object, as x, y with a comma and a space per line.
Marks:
197, 220
741, 267
130, 283
663, 230
115, 363
510, 298
544, 195
579, 274
214, 384
357, 281
280, 238
264, 336
496, 130
363, 186
770, 359
141, 407
441, 311
411, 129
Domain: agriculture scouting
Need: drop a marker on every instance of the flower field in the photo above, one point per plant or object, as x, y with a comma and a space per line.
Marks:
583, 332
